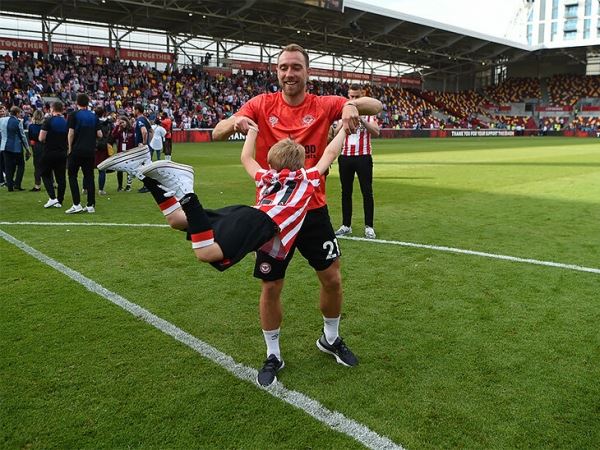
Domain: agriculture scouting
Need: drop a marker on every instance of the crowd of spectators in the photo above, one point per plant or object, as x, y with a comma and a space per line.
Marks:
193, 98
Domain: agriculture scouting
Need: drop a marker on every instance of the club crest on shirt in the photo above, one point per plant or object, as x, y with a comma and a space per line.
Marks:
307, 120
265, 268
273, 120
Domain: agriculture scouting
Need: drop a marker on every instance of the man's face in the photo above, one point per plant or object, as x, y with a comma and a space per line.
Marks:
2, 112
292, 73
354, 94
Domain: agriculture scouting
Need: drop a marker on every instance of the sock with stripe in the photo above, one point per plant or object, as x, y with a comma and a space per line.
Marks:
166, 204
272, 341
331, 328
199, 226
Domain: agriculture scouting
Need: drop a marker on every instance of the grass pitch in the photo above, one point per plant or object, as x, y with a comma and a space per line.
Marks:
456, 351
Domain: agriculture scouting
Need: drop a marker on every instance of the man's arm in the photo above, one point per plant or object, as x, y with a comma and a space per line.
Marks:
247, 157
331, 152
236, 123
42, 136
353, 109
144, 135
70, 138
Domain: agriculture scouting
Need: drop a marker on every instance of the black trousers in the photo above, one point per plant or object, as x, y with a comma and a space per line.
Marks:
362, 166
54, 167
86, 164
38, 149
14, 167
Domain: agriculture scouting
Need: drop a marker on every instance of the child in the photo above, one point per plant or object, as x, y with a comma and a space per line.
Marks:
224, 236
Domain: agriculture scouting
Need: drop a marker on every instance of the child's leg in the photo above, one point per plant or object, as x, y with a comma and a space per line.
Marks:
200, 229
169, 206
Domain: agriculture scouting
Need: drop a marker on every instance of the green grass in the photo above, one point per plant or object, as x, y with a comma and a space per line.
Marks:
456, 351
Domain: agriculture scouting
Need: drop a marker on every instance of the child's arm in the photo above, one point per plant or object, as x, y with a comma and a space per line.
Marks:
247, 157
331, 151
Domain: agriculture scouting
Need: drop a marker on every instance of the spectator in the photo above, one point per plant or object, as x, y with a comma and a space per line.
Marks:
106, 128
53, 135
158, 139
37, 147
124, 139
84, 128
12, 145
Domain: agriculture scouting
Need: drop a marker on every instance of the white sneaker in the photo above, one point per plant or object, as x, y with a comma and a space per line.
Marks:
90, 209
74, 209
343, 231
57, 205
52, 202
175, 179
101, 192
370, 233
130, 161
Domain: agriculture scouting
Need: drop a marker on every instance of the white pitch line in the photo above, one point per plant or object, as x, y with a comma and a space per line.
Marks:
352, 238
333, 419
476, 253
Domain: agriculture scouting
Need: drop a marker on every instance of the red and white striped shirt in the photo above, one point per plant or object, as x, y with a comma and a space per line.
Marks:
284, 196
358, 143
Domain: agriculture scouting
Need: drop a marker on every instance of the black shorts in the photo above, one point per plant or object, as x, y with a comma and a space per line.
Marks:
316, 241
239, 230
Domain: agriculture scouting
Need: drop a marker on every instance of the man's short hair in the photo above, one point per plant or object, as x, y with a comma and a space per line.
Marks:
15, 110
294, 48
83, 100
286, 154
139, 108
57, 107
355, 87
99, 111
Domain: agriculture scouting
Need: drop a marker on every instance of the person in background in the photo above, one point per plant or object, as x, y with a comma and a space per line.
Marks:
102, 146
356, 159
158, 139
143, 132
3, 113
37, 147
167, 124
12, 145
124, 139
53, 136
84, 128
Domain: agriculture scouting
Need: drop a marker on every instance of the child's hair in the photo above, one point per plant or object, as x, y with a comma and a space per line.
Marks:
286, 154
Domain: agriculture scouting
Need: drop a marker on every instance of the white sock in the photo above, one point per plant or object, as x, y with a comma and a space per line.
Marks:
331, 328
272, 341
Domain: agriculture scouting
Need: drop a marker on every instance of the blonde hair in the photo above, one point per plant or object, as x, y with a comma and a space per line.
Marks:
38, 117
286, 154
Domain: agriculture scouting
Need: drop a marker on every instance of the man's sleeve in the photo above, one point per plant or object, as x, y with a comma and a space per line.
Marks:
250, 108
334, 105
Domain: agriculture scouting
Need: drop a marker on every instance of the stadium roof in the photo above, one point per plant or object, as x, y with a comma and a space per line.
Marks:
360, 31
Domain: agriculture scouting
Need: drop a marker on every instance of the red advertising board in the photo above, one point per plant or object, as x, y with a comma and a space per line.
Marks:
29, 45
23, 45
590, 108
145, 55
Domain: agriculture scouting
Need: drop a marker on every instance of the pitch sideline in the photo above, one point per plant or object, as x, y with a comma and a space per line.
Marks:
333, 419
536, 262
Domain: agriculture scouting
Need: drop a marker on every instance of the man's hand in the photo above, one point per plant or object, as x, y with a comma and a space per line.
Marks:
242, 124
350, 118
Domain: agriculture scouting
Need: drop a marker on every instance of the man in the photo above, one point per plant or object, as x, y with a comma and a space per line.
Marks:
12, 144
306, 118
3, 113
167, 124
84, 128
54, 155
143, 132
356, 159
